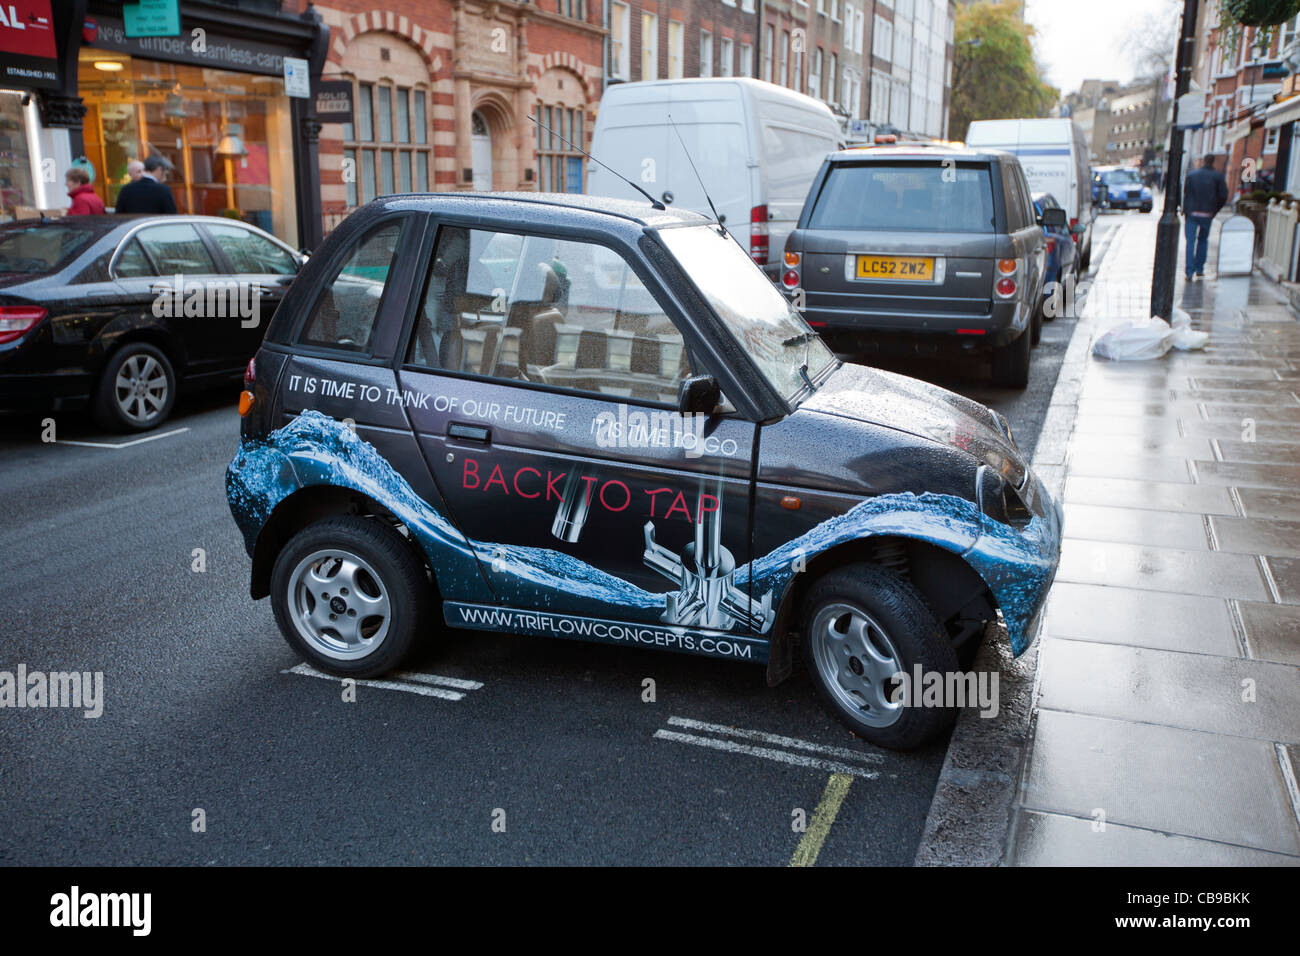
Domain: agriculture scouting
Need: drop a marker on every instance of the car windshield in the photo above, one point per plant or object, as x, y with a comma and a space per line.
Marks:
760, 318
1119, 177
916, 197
40, 247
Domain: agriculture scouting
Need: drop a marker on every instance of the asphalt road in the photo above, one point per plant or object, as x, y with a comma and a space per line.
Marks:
551, 741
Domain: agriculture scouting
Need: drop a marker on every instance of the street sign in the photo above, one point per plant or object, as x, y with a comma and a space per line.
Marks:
297, 82
334, 101
30, 59
1191, 111
152, 18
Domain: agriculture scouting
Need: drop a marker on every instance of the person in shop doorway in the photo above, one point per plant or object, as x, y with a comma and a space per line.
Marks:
147, 194
82, 194
134, 170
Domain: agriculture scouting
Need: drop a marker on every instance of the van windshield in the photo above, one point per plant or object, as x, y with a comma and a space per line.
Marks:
917, 197
773, 334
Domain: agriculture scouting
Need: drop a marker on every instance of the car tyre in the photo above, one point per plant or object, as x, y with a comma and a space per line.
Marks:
1036, 324
1011, 362
861, 625
1085, 260
350, 595
136, 390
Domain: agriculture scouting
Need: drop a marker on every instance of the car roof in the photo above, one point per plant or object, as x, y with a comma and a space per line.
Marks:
543, 207
918, 151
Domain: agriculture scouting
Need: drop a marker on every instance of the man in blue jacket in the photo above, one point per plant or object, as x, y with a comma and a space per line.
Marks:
1204, 194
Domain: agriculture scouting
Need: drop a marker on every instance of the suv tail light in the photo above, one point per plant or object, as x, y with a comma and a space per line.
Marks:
1051, 245
790, 278
17, 320
1006, 287
758, 238
1007, 267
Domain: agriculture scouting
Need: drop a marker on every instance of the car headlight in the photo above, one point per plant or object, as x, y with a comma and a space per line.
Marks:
999, 500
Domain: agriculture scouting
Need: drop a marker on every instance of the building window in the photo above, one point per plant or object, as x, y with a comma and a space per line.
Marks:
848, 28
746, 60
706, 53
882, 39
815, 74
767, 53
747, 5
832, 78
859, 31
676, 49
620, 19
577, 9
728, 53
785, 58
649, 46
389, 116
559, 165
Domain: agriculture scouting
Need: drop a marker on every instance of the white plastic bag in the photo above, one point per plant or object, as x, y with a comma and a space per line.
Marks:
1134, 340
1185, 337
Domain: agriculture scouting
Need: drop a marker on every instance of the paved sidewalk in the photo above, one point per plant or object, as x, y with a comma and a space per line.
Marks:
1166, 723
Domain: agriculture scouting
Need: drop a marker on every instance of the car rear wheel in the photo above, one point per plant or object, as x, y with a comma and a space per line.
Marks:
136, 389
350, 595
1036, 324
863, 626
1085, 260
1011, 362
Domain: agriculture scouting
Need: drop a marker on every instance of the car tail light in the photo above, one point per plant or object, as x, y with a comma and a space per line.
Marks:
1007, 266
250, 373
1074, 223
1051, 245
792, 258
17, 320
245, 403
758, 238
1006, 287
791, 279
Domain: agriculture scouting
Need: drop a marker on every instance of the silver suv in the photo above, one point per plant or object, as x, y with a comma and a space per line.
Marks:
922, 248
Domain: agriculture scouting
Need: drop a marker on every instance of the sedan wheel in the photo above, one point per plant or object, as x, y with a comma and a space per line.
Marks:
137, 389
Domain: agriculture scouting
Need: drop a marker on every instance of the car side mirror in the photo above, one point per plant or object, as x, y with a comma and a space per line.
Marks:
698, 394
1054, 219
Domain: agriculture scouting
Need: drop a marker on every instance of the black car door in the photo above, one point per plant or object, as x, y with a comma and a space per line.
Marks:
541, 379
263, 271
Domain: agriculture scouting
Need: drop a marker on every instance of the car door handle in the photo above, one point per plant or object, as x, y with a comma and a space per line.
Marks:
469, 432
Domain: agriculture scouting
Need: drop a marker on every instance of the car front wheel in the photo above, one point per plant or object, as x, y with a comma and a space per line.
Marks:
863, 627
136, 389
350, 595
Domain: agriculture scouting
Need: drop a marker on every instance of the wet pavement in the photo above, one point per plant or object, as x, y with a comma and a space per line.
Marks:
1166, 720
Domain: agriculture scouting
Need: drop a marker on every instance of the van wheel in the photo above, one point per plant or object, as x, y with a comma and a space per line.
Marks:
350, 596
1011, 362
862, 626
136, 389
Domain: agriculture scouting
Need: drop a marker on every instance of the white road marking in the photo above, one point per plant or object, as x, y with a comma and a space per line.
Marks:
777, 739
781, 756
411, 682
124, 444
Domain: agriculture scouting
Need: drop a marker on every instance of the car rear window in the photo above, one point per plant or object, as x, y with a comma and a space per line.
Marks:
916, 197
41, 247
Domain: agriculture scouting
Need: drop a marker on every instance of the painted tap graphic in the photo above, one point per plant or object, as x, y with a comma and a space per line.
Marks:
704, 573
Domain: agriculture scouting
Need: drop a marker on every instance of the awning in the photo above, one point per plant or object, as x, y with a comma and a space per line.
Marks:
1279, 114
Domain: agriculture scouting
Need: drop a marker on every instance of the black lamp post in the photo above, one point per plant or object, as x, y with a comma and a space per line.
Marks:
1166, 261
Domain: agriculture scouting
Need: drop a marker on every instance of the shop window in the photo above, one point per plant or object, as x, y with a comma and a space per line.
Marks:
16, 187
555, 312
560, 165
387, 116
345, 314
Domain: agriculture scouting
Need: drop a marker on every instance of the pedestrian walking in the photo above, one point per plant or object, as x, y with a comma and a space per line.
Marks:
84, 200
1204, 194
147, 194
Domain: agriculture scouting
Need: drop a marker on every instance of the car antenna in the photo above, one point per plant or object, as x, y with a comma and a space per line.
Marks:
716, 217
653, 202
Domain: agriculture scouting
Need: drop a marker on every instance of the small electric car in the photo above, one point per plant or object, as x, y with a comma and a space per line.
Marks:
595, 419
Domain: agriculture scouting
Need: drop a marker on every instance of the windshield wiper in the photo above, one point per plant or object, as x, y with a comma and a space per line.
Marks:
806, 338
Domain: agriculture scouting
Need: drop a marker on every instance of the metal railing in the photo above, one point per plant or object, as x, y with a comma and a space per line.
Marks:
1279, 236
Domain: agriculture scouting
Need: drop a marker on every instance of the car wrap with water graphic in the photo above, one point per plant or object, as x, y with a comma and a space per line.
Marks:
704, 561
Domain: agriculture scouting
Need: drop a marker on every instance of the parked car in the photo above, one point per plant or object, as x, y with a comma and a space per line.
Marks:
1062, 264
639, 443
1054, 154
756, 147
118, 312
922, 248
1124, 189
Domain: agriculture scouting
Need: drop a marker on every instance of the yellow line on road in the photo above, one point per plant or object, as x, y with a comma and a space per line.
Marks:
837, 788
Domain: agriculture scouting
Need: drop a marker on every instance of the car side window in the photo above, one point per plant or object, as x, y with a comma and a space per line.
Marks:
178, 249
132, 262
344, 316
557, 312
1017, 215
250, 253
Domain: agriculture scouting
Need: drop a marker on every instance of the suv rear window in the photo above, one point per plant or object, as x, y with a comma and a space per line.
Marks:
916, 197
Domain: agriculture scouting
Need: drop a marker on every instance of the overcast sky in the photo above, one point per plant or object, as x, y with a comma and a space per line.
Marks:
1085, 39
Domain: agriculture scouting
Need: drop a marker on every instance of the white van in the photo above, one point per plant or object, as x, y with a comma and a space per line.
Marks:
1055, 155
756, 146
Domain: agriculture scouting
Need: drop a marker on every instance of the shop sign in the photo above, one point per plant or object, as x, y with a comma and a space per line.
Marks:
334, 101
212, 50
27, 49
152, 18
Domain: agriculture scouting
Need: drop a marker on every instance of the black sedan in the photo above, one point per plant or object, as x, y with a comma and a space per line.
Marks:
118, 312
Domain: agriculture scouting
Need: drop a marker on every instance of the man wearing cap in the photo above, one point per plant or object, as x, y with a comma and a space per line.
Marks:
147, 194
